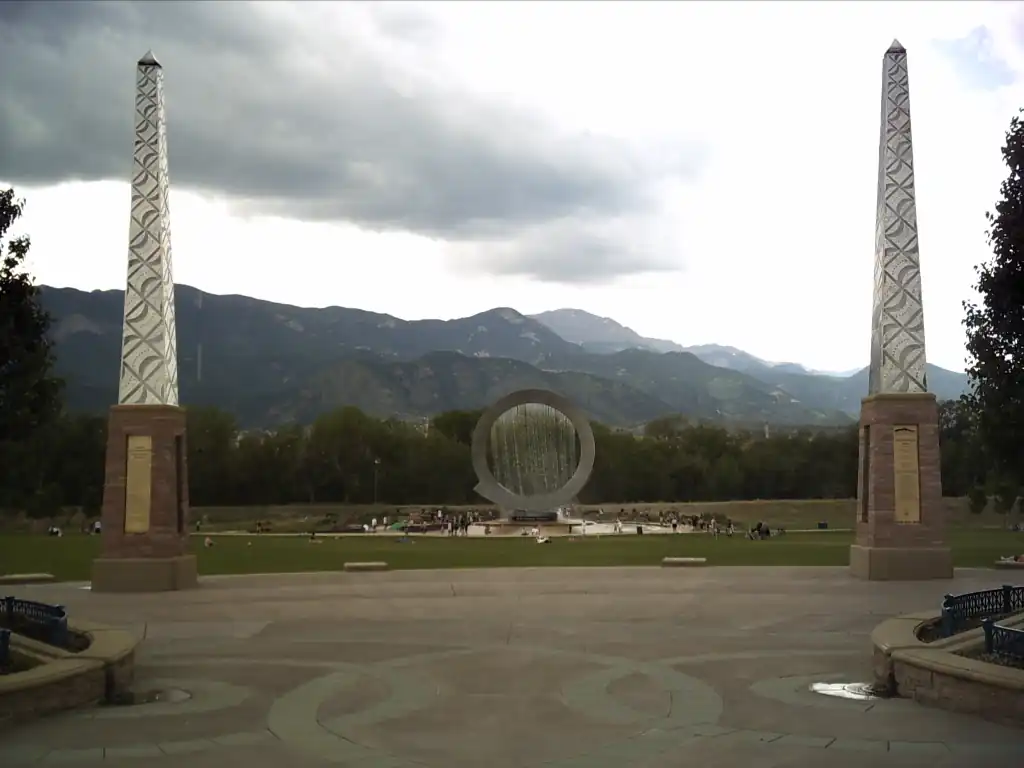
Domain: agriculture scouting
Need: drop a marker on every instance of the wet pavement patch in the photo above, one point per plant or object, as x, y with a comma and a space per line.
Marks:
853, 691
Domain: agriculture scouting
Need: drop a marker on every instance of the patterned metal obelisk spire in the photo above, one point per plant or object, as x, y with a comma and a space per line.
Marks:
149, 356
897, 318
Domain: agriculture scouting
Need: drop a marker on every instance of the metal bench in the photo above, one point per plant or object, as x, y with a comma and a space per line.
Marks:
44, 622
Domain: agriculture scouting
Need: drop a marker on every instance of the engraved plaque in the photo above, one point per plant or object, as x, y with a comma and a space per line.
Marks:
907, 478
138, 484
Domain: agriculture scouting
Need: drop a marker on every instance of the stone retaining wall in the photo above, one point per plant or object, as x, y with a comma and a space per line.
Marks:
63, 680
934, 674
956, 691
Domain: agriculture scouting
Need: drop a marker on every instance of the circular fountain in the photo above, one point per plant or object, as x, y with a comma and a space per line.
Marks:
533, 452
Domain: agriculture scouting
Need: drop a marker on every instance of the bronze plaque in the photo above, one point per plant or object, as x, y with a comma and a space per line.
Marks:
907, 477
138, 484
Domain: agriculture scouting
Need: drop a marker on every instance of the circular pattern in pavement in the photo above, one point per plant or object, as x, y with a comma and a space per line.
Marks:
292, 719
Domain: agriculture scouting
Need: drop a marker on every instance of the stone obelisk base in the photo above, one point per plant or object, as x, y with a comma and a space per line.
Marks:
901, 520
900, 563
145, 503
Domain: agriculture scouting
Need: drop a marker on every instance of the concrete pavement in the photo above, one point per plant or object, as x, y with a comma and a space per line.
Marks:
561, 668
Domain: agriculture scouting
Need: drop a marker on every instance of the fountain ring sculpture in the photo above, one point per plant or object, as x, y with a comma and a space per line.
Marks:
489, 487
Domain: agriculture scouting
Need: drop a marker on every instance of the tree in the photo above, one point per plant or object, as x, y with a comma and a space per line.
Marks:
666, 427
1006, 493
963, 464
30, 395
995, 329
457, 425
212, 437
978, 499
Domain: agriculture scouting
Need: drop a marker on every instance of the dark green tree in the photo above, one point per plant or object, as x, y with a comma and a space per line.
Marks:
457, 425
995, 327
30, 395
212, 438
962, 459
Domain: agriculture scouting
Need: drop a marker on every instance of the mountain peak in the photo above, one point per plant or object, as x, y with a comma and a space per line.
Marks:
599, 334
507, 313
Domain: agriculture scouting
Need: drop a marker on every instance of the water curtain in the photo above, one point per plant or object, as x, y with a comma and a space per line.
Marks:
534, 449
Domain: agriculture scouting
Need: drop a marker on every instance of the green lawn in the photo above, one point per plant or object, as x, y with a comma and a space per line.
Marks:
69, 557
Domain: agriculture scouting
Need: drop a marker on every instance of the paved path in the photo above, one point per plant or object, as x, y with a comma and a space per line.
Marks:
560, 668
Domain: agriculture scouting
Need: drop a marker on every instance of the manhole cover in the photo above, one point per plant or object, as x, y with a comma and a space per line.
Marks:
155, 696
855, 691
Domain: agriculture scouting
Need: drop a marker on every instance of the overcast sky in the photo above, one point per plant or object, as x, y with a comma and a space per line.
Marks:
699, 172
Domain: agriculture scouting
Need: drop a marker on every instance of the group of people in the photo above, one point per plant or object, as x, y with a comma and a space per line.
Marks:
95, 527
371, 527
762, 531
456, 526
716, 528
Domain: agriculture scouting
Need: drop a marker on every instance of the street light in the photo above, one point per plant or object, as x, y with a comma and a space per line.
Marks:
376, 467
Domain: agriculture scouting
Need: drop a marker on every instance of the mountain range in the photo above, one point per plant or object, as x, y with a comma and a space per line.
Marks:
604, 335
272, 363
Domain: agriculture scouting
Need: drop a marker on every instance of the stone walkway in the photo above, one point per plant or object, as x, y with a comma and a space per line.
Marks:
561, 668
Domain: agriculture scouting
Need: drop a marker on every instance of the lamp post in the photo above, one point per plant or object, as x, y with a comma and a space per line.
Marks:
376, 467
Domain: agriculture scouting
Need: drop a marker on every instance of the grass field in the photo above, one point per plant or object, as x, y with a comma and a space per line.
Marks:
69, 557
794, 515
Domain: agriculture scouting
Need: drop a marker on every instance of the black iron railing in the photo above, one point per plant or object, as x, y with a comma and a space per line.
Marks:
959, 611
41, 621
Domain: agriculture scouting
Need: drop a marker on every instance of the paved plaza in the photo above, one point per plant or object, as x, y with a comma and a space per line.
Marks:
561, 668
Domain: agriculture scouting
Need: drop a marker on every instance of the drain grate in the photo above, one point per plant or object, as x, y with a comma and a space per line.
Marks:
854, 691
152, 696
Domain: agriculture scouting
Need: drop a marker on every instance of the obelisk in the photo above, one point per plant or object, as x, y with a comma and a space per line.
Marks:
145, 492
901, 522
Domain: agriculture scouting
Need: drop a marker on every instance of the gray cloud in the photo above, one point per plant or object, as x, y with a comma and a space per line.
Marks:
282, 117
582, 250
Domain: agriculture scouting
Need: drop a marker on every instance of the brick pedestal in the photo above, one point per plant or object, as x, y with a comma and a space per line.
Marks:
886, 548
145, 503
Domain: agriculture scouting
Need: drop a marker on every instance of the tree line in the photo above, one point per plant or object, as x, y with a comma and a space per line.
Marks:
347, 456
